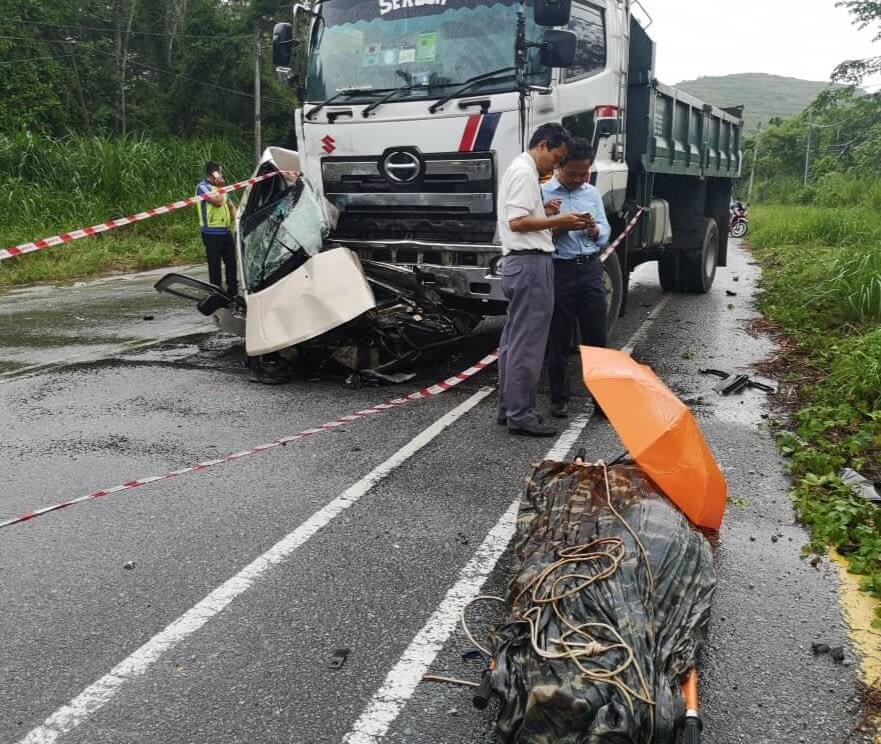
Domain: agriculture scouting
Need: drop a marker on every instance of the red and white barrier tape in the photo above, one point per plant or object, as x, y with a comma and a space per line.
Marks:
428, 392
87, 232
613, 246
436, 389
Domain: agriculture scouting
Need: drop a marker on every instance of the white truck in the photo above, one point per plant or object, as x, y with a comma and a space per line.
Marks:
413, 109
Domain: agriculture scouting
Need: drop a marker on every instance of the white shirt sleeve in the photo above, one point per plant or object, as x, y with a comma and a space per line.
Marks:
521, 195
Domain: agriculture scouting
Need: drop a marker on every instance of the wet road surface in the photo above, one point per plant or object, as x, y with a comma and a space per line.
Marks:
243, 579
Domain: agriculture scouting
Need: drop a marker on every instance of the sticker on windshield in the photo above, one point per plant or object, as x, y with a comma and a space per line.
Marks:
390, 56
374, 48
406, 56
426, 47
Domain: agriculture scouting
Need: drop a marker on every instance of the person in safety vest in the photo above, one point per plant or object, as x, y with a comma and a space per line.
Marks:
216, 216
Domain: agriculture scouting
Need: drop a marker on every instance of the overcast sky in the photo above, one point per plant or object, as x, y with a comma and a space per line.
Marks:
797, 38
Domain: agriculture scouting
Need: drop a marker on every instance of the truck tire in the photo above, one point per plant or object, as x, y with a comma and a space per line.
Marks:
668, 270
698, 264
613, 278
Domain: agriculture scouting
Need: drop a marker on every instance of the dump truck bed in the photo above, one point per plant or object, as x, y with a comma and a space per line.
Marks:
672, 132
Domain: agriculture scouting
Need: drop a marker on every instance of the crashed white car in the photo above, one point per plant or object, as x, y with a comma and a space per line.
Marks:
305, 298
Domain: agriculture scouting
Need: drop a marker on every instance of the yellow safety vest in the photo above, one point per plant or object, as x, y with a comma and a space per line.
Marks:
212, 217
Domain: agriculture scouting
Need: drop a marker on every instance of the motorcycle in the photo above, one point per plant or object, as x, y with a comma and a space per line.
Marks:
738, 224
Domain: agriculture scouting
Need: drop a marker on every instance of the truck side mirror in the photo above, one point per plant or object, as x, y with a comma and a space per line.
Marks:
552, 12
557, 49
282, 44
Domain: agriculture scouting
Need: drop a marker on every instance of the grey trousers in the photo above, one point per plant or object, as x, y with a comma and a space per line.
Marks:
528, 283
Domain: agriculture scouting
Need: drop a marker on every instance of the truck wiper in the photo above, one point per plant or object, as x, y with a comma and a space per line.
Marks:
470, 83
388, 97
341, 93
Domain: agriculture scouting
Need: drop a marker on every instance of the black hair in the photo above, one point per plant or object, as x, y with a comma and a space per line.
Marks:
579, 149
554, 134
211, 166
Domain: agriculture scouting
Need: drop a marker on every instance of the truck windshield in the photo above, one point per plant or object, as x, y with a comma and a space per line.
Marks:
431, 45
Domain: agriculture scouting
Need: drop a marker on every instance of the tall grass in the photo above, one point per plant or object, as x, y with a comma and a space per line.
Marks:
841, 245
52, 185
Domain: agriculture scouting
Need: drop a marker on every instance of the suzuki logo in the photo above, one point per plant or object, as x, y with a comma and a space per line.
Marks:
401, 166
329, 144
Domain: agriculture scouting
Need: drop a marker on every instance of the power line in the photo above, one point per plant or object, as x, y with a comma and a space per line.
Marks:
192, 79
133, 31
150, 67
32, 59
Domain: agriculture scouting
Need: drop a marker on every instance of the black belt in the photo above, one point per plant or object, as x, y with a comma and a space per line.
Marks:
530, 252
578, 259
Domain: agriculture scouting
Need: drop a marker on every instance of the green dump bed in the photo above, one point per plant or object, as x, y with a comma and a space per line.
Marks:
672, 132
669, 131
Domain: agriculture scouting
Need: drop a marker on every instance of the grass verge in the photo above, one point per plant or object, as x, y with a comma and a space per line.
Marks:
48, 186
822, 292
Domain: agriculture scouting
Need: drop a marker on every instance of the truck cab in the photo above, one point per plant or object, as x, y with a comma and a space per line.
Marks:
413, 109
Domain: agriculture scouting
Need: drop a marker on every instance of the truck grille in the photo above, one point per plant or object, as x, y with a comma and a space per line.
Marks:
452, 199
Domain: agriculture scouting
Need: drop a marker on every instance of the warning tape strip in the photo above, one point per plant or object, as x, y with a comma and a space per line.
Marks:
613, 246
428, 392
87, 232
436, 389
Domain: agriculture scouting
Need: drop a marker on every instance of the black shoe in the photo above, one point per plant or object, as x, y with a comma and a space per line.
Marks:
560, 410
537, 428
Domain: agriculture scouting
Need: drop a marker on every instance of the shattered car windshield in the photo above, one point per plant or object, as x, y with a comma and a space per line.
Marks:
281, 236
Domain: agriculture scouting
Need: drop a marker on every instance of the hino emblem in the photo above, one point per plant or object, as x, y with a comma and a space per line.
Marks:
401, 166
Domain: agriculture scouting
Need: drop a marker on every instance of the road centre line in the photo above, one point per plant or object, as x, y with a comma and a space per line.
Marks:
646, 324
402, 681
98, 694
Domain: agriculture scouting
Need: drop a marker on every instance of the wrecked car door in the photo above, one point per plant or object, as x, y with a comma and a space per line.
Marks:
293, 290
210, 300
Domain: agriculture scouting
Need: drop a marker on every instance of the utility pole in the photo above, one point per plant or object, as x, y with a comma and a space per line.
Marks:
808, 153
258, 134
752, 175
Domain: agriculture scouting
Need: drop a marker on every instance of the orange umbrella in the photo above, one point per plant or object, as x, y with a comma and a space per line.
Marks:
659, 431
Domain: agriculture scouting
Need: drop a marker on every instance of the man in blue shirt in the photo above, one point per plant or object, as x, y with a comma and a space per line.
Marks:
579, 287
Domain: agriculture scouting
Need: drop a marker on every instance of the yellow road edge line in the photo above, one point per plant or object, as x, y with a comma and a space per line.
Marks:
859, 612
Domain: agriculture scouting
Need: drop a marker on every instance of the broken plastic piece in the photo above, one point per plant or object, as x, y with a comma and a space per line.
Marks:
339, 658
862, 486
819, 648
734, 383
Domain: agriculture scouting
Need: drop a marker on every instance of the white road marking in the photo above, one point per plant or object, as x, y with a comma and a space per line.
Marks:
646, 324
401, 682
97, 695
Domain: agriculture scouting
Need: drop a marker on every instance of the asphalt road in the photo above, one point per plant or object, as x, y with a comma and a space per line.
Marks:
244, 578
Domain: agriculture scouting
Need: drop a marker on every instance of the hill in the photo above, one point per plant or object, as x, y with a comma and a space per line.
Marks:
763, 96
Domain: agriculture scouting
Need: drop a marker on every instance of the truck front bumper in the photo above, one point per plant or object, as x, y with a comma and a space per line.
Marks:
436, 266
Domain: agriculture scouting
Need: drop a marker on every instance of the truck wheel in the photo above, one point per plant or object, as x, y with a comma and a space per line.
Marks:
613, 279
668, 270
699, 264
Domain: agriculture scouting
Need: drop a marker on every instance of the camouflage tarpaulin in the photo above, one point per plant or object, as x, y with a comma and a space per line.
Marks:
550, 701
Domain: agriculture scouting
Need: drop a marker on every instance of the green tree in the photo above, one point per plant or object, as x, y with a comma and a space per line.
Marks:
866, 13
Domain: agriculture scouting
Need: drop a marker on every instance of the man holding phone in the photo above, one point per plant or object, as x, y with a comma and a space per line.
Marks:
216, 216
579, 286
525, 223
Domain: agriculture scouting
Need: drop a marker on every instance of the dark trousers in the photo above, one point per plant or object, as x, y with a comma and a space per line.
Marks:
579, 295
221, 249
528, 283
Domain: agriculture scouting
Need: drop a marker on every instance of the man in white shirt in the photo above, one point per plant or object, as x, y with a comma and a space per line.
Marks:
525, 226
